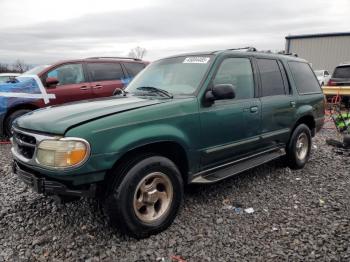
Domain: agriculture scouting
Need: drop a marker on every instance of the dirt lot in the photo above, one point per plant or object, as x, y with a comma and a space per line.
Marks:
298, 215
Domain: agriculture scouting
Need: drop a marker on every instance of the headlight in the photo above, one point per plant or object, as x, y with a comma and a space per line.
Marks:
65, 152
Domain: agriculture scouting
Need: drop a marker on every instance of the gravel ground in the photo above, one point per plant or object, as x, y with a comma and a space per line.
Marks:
298, 215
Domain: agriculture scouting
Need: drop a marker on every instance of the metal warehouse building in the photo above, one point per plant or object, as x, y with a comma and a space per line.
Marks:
323, 51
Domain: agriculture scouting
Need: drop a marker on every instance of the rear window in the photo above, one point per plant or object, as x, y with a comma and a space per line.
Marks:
271, 78
133, 68
304, 78
105, 71
342, 72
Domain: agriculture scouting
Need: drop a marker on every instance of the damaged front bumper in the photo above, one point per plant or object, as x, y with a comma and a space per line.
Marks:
47, 186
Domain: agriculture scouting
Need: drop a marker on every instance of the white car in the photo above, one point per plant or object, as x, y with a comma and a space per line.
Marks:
322, 76
4, 77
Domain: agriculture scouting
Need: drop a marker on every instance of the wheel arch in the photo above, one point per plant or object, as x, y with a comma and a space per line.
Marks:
308, 120
16, 108
170, 149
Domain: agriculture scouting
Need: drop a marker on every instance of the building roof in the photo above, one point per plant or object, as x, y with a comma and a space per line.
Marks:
318, 35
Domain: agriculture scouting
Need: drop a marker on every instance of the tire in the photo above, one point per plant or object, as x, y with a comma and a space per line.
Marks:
9, 120
299, 147
150, 184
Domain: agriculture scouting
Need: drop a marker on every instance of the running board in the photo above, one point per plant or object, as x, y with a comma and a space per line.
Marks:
221, 172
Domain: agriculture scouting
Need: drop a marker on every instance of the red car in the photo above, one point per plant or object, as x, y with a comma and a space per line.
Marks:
75, 80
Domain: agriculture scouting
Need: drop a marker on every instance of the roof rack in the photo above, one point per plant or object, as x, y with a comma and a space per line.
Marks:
114, 57
284, 53
249, 49
253, 49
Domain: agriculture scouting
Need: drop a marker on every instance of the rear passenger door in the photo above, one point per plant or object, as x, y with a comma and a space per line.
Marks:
105, 77
277, 103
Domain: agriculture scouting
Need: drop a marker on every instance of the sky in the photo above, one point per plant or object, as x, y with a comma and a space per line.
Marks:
44, 31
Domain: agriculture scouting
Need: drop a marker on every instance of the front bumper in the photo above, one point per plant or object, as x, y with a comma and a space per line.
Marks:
47, 186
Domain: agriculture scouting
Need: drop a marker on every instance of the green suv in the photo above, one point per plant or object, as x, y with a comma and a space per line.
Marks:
193, 118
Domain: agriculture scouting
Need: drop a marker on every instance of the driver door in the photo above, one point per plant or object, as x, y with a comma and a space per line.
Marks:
231, 127
72, 84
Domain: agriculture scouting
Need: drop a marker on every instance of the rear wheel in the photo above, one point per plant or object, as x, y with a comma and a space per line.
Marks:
147, 198
299, 147
9, 120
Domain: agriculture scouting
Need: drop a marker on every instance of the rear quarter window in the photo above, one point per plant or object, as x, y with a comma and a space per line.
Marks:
304, 78
133, 68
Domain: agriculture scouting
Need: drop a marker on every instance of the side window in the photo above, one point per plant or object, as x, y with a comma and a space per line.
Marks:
105, 71
239, 73
271, 78
68, 74
133, 68
326, 73
304, 78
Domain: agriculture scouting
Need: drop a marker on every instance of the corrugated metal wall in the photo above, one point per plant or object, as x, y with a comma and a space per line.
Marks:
322, 52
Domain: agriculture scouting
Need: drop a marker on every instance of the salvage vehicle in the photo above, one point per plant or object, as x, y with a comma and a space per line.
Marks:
65, 82
187, 119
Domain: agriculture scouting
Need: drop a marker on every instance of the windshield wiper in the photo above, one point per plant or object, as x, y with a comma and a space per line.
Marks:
156, 90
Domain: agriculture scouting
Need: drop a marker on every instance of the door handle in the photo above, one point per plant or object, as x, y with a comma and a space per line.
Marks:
254, 109
97, 86
83, 88
292, 103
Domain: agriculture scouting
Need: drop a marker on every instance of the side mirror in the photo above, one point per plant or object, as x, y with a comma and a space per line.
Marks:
51, 81
119, 91
220, 92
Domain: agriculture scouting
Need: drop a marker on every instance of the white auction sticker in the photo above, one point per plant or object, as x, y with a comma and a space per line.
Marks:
196, 60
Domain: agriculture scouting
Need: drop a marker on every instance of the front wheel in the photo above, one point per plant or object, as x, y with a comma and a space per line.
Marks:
299, 147
147, 198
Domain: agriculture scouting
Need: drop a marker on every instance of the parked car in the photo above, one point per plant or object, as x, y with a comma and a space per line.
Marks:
70, 81
5, 77
341, 75
322, 76
194, 118
339, 84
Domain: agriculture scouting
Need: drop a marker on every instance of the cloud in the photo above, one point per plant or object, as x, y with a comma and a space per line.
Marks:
169, 27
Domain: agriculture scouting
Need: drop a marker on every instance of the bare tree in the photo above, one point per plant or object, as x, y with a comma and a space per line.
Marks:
20, 67
4, 68
138, 52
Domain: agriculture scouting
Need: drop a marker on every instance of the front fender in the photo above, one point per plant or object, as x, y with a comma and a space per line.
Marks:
147, 135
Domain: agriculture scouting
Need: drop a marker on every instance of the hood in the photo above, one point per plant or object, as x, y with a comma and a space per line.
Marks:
57, 119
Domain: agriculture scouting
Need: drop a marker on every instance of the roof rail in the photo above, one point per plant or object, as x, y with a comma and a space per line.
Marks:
114, 57
249, 49
284, 53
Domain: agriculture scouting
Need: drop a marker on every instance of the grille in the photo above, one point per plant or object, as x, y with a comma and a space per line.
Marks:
25, 144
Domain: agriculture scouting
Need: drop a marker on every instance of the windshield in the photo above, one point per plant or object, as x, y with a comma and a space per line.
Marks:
342, 72
35, 70
178, 75
319, 73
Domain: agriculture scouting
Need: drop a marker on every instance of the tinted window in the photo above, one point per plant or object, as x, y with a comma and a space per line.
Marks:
105, 71
271, 78
304, 78
326, 73
68, 74
239, 73
342, 72
133, 68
